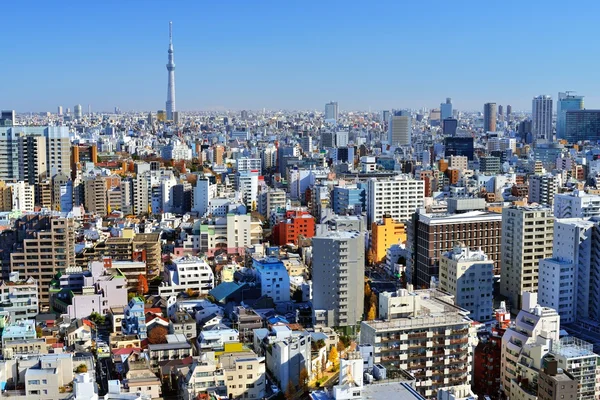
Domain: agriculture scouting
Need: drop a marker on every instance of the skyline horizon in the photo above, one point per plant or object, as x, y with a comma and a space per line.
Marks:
262, 58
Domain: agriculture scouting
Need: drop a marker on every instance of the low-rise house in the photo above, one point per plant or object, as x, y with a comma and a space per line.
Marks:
176, 347
187, 273
215, 339
183, 323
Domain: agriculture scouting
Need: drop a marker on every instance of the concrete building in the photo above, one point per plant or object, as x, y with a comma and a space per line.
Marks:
526, 238
331, 111
338, 272
204, 191
270, 201
347, 198
273, 277
489, 117
23, 196
577, 204
425, 334
400, 131
434, 234
566, 102
555, 383
569, 281
399, 197
248, 164
458, 162
489, 165
386, 233
18, 299
187, 273
468, 276
524, 345
247, 184
542, 188
48, 247
296, 224
541, 118
578, 358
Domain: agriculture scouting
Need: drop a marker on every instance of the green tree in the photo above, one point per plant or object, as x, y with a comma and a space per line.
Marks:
38, 331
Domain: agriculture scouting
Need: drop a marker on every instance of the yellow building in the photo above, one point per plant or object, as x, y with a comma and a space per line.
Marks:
386, 234
5, 197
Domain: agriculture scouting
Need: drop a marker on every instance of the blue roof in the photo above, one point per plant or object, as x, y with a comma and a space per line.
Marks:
224, 290
318, 336
276, 319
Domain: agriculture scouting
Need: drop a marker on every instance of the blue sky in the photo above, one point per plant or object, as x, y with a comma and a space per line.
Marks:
250, 54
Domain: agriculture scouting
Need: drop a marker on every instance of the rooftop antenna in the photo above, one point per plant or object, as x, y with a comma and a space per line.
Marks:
171, 33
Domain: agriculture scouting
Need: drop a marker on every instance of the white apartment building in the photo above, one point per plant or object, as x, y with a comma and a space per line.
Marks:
542, 188
187, 273
467, 275
204, 192
232, 234
523, 347
570, 280
527, 234
273, 277
270, 200
424, 333
246, 182
248, 164
577, 204
23, 196
399, 196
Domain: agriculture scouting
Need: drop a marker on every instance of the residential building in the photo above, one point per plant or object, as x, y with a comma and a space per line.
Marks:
287, 352
182, 323
399, 197
270, 201
577, 204
569, 281
555, 383
296, 223
337, 274
435, 234
134, 319
187, 273
527, 234
489, 165
273, 277
542, 188
18, 299
578, 358
423, 333
247, 184
468, 276
177, 347
331, 111
541, 118
345, 199
23, 196
524, 345
386, 233
47, 248
244, 375
204, 191
215, 339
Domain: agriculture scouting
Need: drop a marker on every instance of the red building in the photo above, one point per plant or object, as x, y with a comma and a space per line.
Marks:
486, 366
296, 223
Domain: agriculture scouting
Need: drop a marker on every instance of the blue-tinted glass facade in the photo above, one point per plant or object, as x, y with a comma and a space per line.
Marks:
582, 125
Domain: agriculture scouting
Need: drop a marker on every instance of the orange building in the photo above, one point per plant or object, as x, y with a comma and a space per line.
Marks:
443, 165
385, 234
453, 175
296, 223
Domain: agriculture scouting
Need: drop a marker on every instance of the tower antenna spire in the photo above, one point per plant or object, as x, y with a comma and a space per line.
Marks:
171, 32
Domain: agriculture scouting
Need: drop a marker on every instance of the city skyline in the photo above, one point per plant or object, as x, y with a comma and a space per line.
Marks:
254, 56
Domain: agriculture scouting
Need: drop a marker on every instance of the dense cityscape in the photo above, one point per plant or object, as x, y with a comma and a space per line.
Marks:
430, 253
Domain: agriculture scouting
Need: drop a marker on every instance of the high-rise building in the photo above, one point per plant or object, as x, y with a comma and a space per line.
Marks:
526, 238
570, 280
60, 111
531, 338
398, 197
500, 111
489, 117
432, 235
468, 276
449, 126
424, 333
400, 130
582, 125
508, 112
7, 118
385, 234
77, 112
170, 105
48, 247
541, 118
338, 284
542, 188
446, 109
459, 146
32, 159
566, 102
331, 111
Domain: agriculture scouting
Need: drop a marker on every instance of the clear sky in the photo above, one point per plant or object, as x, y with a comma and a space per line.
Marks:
287, 54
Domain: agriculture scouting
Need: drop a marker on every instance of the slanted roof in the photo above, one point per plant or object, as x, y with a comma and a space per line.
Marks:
225, 289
